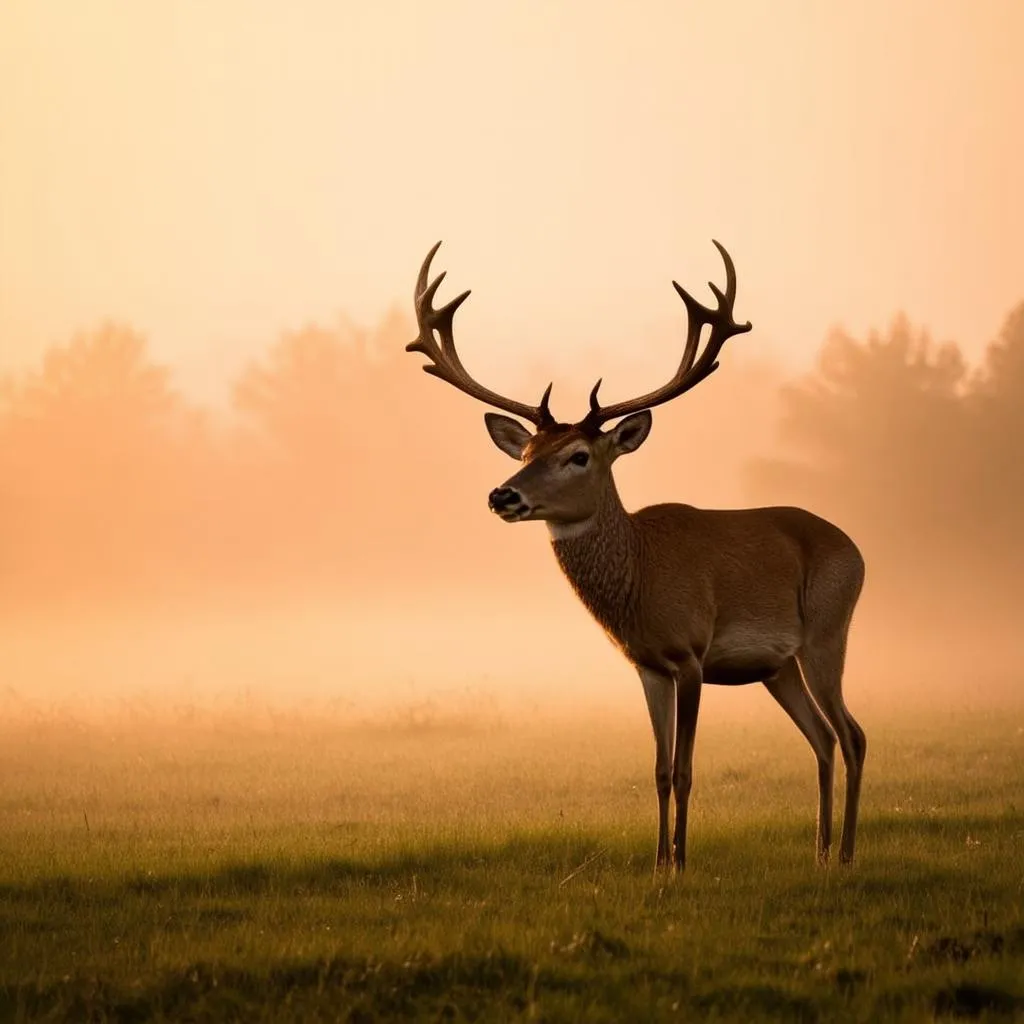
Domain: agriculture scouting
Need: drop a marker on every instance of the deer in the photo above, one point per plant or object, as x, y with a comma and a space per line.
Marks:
690, 596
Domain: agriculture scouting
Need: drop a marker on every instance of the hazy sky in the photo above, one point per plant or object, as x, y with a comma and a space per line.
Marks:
217, 172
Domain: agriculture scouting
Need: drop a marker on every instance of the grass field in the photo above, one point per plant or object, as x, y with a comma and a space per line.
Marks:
272, 867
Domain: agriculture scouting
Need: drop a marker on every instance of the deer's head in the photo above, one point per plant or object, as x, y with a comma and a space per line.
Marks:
567, 467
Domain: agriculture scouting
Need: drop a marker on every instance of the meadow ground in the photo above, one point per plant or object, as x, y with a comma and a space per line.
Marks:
258, 866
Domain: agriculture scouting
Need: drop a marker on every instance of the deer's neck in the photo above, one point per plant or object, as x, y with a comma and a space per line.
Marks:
600, 557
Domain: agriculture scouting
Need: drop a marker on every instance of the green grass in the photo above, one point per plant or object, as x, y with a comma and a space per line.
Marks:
303, 869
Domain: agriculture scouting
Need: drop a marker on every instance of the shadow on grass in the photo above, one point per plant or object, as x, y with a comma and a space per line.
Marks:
491, 986
968, 1001
336, 989
542, 859
543, 856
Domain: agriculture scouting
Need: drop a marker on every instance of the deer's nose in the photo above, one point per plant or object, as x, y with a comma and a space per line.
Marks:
503, 497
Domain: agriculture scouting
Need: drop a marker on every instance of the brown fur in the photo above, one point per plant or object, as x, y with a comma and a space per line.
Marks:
693, 596
690, 596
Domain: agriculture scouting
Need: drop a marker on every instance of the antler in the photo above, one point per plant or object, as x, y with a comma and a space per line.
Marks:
692, 370
444, 359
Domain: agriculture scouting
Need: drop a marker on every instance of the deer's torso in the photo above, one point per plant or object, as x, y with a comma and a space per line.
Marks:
729, 587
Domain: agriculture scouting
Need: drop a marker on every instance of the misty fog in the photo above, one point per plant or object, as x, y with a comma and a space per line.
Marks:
323, 534
231, 488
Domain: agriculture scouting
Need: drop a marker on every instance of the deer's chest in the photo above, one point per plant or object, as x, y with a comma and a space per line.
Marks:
603, 580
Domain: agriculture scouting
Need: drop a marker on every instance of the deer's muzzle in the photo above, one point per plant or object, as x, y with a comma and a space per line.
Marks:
508, 503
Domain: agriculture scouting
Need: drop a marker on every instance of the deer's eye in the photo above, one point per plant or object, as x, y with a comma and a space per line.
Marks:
579, 458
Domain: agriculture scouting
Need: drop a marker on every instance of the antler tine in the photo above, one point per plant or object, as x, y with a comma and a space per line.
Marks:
545, 412
692, 368
421, 280
445, 361
730, 275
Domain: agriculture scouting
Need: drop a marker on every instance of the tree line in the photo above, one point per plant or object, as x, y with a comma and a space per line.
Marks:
918, 455
325, 471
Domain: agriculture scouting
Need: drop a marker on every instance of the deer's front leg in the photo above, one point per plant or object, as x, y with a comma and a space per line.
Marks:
688, 684
660, 691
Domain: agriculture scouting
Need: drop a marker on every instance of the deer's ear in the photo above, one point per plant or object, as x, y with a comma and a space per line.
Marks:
508, 434
628, 435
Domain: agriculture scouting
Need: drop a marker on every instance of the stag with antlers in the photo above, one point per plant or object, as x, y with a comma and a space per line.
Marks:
690, 596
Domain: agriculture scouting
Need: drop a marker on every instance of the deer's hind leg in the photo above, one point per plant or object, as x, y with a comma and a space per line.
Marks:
822, 666
788, 689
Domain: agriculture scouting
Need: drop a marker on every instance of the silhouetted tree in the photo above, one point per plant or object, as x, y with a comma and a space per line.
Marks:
85, 450
1002, 376
997, 480
919, 461
879, 432
300, 395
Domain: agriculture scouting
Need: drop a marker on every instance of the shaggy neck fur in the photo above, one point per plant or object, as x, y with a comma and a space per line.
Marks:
600, 559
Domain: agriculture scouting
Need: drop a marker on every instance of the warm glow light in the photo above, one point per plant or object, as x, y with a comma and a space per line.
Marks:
218, 177
215, 173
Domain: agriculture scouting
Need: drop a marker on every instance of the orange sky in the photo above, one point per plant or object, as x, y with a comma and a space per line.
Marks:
215, 173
